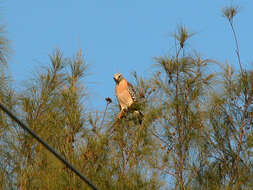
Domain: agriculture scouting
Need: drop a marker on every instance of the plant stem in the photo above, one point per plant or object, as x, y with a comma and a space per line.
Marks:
237, 46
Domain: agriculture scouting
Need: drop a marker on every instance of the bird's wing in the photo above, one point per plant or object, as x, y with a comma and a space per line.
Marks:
131, 91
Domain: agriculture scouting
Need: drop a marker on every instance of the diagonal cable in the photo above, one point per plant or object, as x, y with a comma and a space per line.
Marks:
57, 155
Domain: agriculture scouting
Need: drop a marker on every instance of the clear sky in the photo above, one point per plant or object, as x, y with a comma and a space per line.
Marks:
118, 35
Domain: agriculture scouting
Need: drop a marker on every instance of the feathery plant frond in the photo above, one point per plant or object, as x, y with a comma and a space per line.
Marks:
57, 60
53, 109
4, 46
230, 12
181, 81
78, 65
182, 35
8, 158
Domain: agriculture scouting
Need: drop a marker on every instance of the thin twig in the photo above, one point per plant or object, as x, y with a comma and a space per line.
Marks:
157, 136
108, 101
237, 46
49, 148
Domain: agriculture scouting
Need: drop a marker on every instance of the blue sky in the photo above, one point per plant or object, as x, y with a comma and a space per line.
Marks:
118, 35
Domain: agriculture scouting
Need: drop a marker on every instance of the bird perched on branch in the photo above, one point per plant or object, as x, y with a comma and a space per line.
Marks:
125, 93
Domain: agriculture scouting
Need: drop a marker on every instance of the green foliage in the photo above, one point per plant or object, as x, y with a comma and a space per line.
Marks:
196, 130
182, 85
4, 46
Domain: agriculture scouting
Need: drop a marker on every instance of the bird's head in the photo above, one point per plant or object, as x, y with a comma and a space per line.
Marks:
117, 77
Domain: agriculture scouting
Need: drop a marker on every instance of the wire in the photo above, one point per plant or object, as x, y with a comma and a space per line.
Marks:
57, 155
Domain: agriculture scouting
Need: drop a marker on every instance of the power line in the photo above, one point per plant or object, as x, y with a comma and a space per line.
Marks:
57, 155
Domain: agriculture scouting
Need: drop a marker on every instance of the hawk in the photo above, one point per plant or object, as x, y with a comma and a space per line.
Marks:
125, 93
